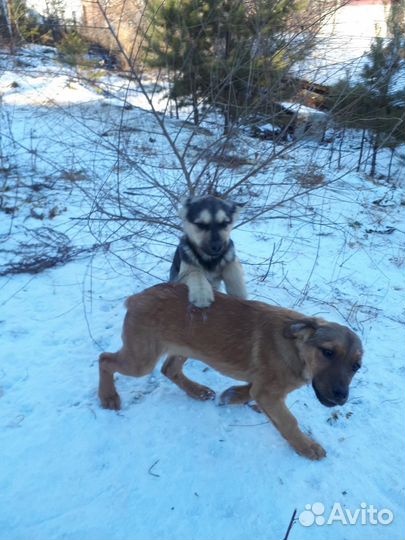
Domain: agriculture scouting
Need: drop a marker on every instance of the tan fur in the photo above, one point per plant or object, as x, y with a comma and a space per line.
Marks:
204, 217
274, 350
220, 216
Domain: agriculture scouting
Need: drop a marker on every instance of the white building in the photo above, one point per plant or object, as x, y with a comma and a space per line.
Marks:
72, 9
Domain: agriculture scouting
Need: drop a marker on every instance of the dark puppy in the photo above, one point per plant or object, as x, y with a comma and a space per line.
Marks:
206, 254
273, 350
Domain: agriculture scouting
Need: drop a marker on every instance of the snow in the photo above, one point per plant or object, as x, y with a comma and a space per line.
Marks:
302, 110
166, 466
343, 40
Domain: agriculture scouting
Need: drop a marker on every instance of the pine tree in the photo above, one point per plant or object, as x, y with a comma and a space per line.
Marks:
376, 102
180, 39
229, 54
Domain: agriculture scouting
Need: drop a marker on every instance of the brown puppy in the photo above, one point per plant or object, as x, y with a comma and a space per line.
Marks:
274, 350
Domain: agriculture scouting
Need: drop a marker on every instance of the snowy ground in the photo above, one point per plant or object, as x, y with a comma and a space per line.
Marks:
166, 466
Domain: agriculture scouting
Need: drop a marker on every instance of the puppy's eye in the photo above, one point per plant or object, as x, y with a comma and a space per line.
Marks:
327, 353
356, 367
223, 225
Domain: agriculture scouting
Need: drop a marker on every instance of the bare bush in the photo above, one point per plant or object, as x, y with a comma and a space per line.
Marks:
203, 158
140, 164
38, 250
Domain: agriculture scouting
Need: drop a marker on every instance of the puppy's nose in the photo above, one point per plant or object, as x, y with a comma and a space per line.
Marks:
216, 246
340, 393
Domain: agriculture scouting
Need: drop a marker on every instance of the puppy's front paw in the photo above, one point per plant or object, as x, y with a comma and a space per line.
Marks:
112, 401
201, 297
310, 449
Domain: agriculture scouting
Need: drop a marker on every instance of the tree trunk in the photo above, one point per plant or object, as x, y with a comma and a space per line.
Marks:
226, 121
196, 114
176, 107
374, 156
332, 148
227, 106
339, 163
363, 138
390, 164
6, 15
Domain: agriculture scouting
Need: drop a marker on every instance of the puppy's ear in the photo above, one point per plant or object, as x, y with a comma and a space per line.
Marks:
301, 329
184, 205
237, 207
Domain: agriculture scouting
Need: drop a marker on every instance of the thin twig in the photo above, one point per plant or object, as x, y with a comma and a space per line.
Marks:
249, 425
292, 521
151, 467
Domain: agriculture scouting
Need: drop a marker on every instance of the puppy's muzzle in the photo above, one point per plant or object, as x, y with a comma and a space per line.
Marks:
215, 248
338, 396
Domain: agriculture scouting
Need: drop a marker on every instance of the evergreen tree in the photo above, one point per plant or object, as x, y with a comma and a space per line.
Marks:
376, 103
229, 54
180, 39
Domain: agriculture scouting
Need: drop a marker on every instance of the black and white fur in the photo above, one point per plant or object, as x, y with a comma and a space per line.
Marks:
206, 255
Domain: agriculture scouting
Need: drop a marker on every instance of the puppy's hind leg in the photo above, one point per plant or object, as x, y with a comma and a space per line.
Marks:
127, 362
173, 369
107, 392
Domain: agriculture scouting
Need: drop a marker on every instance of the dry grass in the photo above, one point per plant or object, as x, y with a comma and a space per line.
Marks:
311, 178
